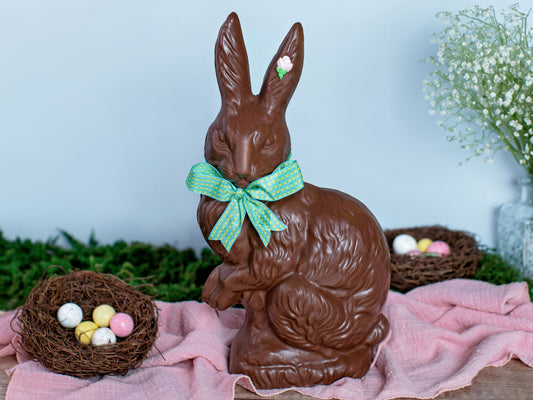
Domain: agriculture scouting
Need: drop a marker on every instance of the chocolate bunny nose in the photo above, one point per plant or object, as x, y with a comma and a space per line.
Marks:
242, 180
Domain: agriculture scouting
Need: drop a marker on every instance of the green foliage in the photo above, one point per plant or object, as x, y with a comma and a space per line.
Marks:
493, 269
171, 274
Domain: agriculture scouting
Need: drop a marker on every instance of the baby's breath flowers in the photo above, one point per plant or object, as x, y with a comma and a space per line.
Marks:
482, 84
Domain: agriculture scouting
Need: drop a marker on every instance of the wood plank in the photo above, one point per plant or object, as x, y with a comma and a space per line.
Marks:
243, 394
5, 363
512, 381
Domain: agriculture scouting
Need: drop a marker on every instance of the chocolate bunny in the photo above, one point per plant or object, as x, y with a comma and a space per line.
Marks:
313, 296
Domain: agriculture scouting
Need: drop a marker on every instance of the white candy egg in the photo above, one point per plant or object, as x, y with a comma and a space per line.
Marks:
103, 336
69, 315
403, 244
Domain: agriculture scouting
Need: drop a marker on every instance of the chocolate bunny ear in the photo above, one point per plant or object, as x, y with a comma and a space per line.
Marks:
231, 62
284, 71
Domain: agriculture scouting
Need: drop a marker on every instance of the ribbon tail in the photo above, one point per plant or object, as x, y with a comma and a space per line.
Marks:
229, 224
263, 220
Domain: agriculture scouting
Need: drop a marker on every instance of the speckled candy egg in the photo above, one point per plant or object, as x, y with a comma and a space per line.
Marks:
439, 247
103, 336
102, 315
403, 244
85, 331
121, 324
423, 244
414, 253
69, 315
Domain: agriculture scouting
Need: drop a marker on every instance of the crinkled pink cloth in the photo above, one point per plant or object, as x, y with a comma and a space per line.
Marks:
442, 335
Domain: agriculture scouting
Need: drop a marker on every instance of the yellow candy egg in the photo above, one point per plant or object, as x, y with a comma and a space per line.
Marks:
84, 331
423, 244
103, 314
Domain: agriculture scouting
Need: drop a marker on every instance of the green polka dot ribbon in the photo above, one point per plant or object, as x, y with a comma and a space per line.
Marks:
284, 181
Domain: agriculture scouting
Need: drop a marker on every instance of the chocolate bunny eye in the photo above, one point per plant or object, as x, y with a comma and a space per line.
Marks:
220, 136
219, 139
269, 142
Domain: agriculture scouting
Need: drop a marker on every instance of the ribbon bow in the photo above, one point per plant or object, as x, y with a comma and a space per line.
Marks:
285, 180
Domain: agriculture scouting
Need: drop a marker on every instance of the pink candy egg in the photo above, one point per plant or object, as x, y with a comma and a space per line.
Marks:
439, 247
414, 253
121, 324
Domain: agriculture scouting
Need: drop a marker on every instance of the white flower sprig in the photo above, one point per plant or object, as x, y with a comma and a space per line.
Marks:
482, 84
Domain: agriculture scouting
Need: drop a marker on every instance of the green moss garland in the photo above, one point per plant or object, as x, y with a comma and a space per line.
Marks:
176, 275
493, 269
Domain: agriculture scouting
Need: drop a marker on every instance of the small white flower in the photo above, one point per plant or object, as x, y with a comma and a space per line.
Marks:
479, 82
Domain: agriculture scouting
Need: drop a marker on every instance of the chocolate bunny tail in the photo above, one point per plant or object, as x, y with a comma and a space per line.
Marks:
315, 318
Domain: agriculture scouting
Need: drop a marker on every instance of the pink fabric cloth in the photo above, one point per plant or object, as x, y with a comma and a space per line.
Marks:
442, 335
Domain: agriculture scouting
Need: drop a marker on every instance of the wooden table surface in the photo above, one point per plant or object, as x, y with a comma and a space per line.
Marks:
514, 381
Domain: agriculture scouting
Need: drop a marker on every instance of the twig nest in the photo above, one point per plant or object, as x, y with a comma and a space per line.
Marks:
454, 254
59, 349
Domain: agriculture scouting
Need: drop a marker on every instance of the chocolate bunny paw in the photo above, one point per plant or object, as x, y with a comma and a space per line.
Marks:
217, 293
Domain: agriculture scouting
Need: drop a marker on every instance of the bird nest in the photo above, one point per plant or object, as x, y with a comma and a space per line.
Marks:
409, 272
56, 347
